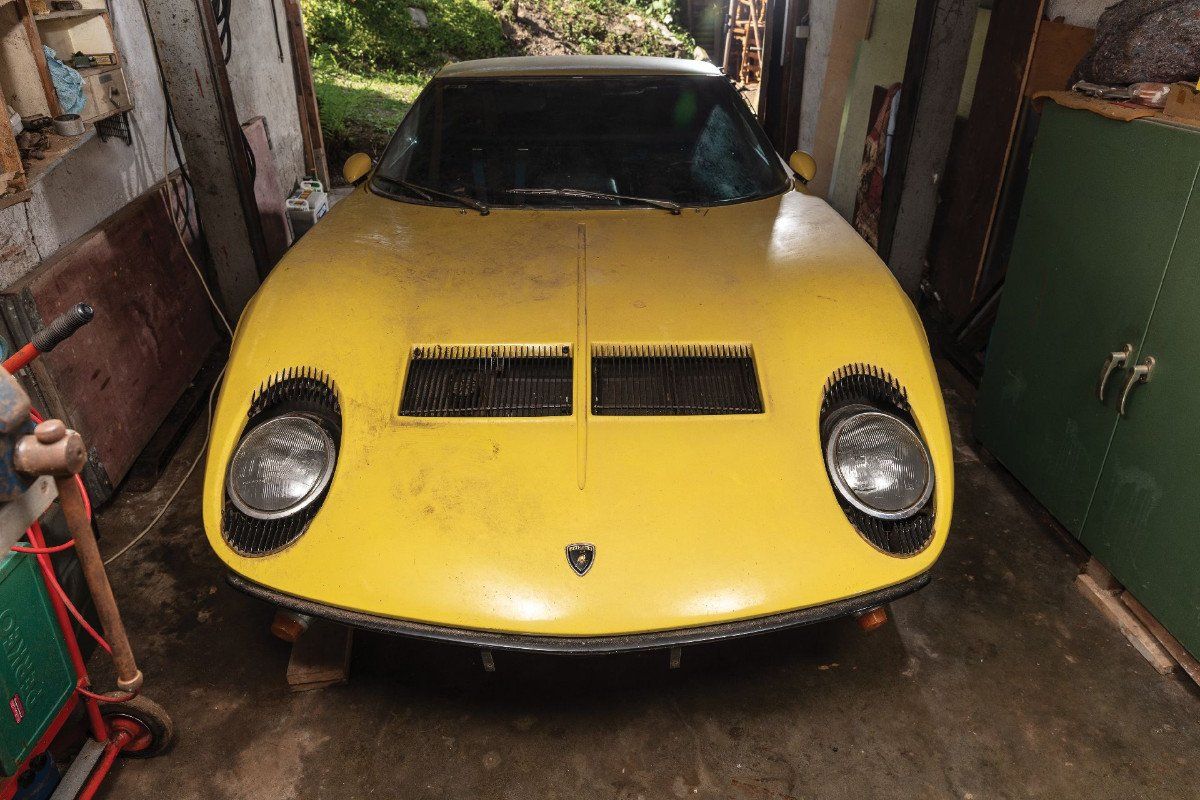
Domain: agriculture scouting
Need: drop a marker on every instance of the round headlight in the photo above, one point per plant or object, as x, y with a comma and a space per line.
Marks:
879, 465
280, 467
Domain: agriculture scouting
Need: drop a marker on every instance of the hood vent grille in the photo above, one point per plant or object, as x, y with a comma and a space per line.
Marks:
674, 380
488, 381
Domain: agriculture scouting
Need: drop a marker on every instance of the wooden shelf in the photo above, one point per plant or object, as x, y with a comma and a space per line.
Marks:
96, 70
123, 109
60, 148
83, 12
36, 170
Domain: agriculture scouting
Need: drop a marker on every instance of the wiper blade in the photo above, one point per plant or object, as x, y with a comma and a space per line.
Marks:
428, 193
666, 205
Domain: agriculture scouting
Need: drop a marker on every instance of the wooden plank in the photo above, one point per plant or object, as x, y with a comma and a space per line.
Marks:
321, 657
306, 96
19, 65
25, 12
980, 157
12, 171
267, 193
850, 22
1058, 50
1101, 576
144, 473
118, 378
1138, 635
1172, 645
58, 149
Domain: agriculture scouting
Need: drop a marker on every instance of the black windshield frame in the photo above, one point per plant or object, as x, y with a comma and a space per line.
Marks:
740, 138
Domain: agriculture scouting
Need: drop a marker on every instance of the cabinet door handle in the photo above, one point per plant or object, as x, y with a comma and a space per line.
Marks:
1118, 358
1139, 374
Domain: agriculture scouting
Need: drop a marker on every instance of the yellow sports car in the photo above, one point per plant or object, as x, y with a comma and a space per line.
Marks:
579, 367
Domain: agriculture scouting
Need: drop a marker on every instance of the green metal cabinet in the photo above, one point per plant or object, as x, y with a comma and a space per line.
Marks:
1105, 272
36, 677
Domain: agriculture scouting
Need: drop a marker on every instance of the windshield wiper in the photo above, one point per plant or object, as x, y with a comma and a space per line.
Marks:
428, 193
666, 205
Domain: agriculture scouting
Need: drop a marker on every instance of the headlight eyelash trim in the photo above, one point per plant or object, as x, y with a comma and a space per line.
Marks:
296, 385
866, 384
864, 381
305, 390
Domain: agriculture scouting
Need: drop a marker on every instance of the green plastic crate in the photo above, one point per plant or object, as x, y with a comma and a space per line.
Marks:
36, 677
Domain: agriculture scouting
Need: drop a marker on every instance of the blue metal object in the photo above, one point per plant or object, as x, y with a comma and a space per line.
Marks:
41, 780
14, 422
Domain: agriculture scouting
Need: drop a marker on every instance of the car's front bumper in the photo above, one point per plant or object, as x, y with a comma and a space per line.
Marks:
582, 645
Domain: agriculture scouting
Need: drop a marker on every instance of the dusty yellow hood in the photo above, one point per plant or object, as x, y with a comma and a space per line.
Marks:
695, 520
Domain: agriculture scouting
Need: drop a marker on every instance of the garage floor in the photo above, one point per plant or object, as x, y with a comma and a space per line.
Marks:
998, 680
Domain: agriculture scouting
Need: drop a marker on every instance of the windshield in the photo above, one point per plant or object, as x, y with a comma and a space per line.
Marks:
680, 139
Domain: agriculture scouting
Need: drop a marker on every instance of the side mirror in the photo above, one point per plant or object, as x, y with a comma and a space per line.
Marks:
804, 165
356, 168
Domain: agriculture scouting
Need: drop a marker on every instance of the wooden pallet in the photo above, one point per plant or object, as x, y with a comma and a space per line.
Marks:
1147, 635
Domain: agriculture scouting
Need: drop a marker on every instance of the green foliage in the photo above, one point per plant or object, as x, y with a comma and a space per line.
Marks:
614, 27
370, 60
360, 112
379, 35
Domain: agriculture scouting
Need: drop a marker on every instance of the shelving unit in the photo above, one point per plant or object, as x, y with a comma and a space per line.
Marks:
26, 84
89, 30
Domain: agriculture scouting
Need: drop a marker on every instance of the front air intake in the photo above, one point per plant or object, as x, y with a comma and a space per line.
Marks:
674, 380
488, 381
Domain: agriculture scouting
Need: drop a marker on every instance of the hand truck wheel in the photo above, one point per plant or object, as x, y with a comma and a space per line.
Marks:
147, 721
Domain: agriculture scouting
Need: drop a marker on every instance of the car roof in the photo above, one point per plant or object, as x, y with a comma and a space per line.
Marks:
576, 65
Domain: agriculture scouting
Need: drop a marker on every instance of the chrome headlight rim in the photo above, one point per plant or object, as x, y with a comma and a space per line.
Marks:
315, 492
845, 417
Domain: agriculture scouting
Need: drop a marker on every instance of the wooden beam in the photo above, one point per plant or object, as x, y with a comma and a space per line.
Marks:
306, 96
25, 12
933, 78
981, 155
189, 55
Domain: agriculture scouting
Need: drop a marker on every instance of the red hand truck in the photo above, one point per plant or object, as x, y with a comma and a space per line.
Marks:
39, 460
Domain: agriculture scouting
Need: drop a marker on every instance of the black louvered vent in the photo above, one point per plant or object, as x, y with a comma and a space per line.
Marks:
488, 381
674, 380
864, 384
298, 390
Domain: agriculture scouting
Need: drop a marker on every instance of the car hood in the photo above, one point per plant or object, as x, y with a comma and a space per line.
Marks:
695, 520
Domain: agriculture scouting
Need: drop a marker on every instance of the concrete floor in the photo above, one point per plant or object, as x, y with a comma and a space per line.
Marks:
998, 680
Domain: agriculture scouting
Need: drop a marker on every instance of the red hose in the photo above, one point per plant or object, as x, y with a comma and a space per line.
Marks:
43, 551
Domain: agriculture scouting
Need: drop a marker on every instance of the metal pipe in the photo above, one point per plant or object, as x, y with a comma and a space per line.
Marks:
96, 721
129, 677
112, 749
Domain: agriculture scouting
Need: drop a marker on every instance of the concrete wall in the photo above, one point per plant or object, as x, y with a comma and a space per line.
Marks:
262, 82
100, 178
816, 59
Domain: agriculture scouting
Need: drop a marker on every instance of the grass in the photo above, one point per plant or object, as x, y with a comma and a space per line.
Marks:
360, 112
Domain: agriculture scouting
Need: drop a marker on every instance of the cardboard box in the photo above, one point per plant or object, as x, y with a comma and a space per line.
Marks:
1183, 102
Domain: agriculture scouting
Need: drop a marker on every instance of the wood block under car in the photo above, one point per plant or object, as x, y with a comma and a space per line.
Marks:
320, 657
